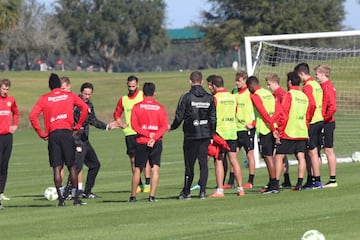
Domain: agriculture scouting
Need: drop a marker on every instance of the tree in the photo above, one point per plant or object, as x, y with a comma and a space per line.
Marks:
36, 32
9, 14
106, 31
229, 21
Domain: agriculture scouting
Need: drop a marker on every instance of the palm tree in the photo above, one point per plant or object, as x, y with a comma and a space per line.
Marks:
9, 14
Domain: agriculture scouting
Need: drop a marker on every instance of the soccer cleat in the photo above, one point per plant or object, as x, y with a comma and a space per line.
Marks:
297, 188
308, 186
248, 185
286, 185
61, 203
139, 189
132, 199
270, 190
217, 195
195, 187
78, 202
146, 188
317, 185
330, 184
4, 198
89, 196
183, 196
240, 193
202, 195
228, 186
152, 199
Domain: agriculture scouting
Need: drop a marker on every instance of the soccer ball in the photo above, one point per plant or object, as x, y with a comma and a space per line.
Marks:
313, 235
356, 157
51, 194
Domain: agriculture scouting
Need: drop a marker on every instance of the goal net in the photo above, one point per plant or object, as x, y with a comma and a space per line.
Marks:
340, 50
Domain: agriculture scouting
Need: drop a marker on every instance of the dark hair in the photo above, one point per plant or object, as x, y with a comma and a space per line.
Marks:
149, 89
196, 77
218, 81
86, 85
252, 80
302, 67
294, 78
132, 78
54, 81
210, 78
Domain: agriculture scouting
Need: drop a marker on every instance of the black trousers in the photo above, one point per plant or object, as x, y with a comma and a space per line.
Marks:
6, 142
85, 154
195, 149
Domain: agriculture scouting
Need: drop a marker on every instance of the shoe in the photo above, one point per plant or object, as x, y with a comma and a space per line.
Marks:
240, 193
183, 196
270, 190
61, 203
248, 185
89, 196
308, 186
4, 198
228, 186
152, 199
286, 185
146, 188
297, 188
217, 195
202, 195
195, 187
330, 184
132, 199
317, 185
140, 189
78, 202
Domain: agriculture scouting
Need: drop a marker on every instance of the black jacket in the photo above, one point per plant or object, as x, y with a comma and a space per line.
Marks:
91, 119
197, 109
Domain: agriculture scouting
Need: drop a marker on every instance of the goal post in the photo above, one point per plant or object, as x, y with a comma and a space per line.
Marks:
340, 50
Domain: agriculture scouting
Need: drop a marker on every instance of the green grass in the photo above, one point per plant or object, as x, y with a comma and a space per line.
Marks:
287, 215
283, 216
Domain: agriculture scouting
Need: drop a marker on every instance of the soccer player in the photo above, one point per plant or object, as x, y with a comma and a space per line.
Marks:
226, 128
150, 121
264, 104
292, 129
197, 109
273, 83
322, 74
122, 114
313, 91
9, 118
85, 153
245, 123
57, 110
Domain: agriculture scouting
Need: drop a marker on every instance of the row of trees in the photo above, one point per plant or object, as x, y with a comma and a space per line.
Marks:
124, 34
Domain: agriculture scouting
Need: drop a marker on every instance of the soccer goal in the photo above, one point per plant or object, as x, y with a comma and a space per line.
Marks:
340, 50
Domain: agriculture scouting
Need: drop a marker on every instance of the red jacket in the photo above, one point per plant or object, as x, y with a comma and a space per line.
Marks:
148, 116
308, 90
258, 104
278, 116
9, 114
329, 101
57, 108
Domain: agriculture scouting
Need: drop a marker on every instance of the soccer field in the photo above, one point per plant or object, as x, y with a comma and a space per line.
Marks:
276, 216
287, 215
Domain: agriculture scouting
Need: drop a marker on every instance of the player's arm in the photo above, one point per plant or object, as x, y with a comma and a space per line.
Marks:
118, 112
163, 124
261, 109
34, 119
180, 113
94, 121
84, 110
312, 104
330, 106
135, 116
15, 113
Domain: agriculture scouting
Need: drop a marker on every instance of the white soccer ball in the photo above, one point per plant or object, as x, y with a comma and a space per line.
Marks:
356, 157
313, 235
51, 194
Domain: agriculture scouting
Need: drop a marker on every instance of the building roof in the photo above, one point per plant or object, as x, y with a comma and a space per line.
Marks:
185, 34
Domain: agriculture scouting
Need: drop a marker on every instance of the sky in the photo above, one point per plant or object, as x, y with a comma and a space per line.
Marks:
182, 13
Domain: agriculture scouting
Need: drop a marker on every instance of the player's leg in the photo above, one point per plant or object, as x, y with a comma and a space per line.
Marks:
190, 149
329, 129
5, 153
93, 163
203, 162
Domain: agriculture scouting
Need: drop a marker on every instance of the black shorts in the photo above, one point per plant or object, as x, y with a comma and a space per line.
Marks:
232, 144
61, 147
291, 146
130, 145
266, 144
328, 137
315, 135
144, 153
246, 139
